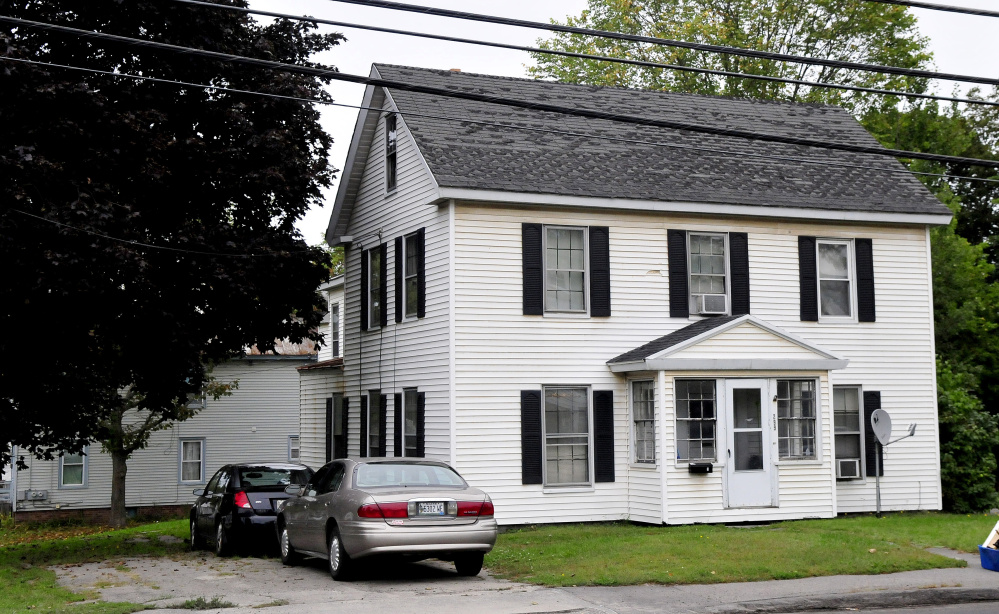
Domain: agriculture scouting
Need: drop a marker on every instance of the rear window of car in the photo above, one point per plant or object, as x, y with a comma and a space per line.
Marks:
392, 474
271, 478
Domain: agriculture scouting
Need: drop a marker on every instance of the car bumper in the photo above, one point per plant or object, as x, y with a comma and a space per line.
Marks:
366, 538
252, 530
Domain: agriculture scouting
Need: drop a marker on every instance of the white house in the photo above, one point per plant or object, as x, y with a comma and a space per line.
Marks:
595, 320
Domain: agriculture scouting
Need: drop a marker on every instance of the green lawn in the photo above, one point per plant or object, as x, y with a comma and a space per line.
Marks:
623, 553
26, 551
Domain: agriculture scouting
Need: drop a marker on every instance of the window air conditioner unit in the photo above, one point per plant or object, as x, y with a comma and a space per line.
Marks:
846, 469
712, 304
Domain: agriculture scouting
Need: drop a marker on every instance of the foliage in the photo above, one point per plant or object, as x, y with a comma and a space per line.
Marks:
336, 258
845, 30
621, 553
147, 229
200, 603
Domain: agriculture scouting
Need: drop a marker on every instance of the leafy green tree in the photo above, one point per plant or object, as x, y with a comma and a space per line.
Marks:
148, 230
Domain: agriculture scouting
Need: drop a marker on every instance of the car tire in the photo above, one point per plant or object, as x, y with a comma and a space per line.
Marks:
222, 546
338, 560
288, 554
469, 564
197, 542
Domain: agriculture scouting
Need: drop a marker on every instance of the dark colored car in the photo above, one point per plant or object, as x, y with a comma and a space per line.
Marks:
412, 508
237, 507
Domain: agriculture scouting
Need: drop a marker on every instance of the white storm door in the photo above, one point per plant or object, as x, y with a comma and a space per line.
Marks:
749, 463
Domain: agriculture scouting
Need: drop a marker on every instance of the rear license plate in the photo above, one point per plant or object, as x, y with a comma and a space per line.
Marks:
431, 508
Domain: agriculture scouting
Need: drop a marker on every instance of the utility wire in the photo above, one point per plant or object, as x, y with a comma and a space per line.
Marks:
587, 56
750, 53
940, 7
325, 73
706, 150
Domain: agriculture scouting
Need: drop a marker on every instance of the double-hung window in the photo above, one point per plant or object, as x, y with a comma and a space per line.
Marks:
796, 419
410, 275
410, 400
192, 460
73, 470
375, 422
567, 435
390, 146
334, 339
708, 266
643, 410
294, 449
696, 415
847, 412
836, 278
375, 282
565, 269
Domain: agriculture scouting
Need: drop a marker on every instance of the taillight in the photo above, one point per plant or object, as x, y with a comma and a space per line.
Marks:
369, 510
467, 509
241, 500
384, 510
487, 508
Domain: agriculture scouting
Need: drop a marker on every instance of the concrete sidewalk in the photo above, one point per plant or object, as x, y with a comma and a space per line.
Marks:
433, 587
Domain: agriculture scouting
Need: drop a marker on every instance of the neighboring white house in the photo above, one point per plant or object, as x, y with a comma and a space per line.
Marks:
595, 320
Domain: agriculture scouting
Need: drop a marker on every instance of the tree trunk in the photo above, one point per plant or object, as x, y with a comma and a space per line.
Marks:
118, 471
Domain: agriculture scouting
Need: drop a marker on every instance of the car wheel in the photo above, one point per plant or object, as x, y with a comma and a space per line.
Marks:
288, 554
469, 564
197, 542
221, 540
339, 561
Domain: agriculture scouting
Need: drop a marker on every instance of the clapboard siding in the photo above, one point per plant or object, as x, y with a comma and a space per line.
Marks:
412, 353
499, 352
315, 387
251, 425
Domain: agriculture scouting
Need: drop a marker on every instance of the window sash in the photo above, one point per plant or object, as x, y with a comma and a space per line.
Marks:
796, 419
707, 266
834, 265
374, 421
73, 470
375, 288
643, 415
696, 420
566, 261
334, 340
294, 448
410, 286
409, 402
566, 423
192, 461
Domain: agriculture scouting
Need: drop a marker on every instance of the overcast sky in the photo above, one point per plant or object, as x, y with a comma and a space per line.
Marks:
964, 44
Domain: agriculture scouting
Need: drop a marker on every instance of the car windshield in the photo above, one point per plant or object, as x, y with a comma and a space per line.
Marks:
271, 478
399, 474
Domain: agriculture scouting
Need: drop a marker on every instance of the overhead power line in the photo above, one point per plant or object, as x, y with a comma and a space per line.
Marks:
750, 53
522, 104
705, 150
940, 7
586, 56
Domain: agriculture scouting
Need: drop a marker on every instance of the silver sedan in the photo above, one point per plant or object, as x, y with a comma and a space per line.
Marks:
355, 508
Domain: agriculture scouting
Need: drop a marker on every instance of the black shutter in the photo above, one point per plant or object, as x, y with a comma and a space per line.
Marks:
872, 451
421, 273
603, 435
808, 280
600, 286
329, 429
364, 290
398, 279
534, 279
738, 245
679, 296
421, 430
383, 296
865, 280
383, 420
530, 436
399, 422
363, 449
341, 441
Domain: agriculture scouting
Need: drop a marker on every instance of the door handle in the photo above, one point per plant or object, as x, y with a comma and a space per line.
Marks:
730, 453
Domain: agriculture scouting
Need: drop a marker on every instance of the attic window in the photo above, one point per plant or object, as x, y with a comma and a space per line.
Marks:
390, 137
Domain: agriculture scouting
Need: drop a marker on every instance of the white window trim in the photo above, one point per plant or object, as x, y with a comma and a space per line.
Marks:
720, 408
335, 328
406, 239
851, 269
655, 422
560, 487
728, 274
585, 313
373, 322
180, 460
294, 439
405, 408
863, 455
86, 466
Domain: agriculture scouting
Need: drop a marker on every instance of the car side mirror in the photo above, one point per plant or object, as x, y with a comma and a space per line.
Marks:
199, 491
294, 489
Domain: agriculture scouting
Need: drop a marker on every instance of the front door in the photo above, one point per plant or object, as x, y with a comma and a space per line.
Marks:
750, 469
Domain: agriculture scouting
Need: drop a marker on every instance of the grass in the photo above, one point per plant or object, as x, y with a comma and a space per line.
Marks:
623, 553
201, 603
26, 551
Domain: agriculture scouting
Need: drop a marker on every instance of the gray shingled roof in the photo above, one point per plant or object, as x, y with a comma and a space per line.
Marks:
674, 338
465, 155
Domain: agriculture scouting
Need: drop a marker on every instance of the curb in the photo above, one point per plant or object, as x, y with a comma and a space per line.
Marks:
881, 599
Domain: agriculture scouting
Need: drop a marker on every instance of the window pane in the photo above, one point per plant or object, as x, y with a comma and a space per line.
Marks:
847, 446
833, 261
191, 472
192, 451
835, 297
72, 475
748, 451
411, 296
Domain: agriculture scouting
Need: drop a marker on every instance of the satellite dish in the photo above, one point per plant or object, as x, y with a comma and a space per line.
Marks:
881, 424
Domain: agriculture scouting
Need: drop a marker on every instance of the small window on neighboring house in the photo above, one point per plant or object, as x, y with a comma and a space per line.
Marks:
334, 339
847, 420
695, 419
411, 275
567, 435
192, 460
375, 282
565, 269
294, 449
835, 276
410, 400
375, 423
708, 274
73, 470
643, 410
796, 419
390, 145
